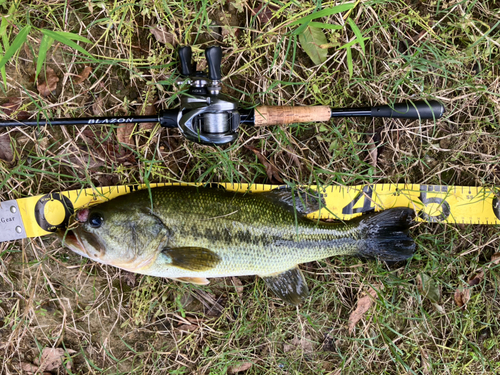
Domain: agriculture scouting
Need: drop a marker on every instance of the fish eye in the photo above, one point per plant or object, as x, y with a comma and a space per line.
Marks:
95, 219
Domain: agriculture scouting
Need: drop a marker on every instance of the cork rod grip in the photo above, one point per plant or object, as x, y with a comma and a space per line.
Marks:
276, 115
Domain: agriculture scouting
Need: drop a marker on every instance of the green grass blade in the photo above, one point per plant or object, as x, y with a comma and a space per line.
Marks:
73, 36
349, 62
323, 13
45, 44
322, 25
61, 37
357, 32
300, 29
16, 45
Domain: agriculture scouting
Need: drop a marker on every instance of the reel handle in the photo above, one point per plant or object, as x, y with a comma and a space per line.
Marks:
214, 60
185, 58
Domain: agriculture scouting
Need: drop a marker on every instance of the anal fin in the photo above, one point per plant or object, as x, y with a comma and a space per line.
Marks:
289, 285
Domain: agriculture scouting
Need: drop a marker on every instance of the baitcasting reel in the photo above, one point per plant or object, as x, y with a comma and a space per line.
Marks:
206, 116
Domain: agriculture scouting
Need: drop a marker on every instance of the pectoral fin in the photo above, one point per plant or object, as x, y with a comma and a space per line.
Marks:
194, 280
191, 258
290, 285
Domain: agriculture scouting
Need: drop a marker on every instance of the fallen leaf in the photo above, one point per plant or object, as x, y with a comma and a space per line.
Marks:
239, 368
311, 40
426, 367
303, 342
462, 296
107, 149
163, 36
98, 106
374, 148
495, 258
29, 368
264, 12
6, 152
83, 75
272, 172
48, 83
362, 307
11, 109
237, 285
124, 133
428, 288
129, 278
372, 152
51, 360
187, 327
477, 278
295, 158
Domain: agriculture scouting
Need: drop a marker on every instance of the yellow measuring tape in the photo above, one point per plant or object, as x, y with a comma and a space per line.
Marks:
44, 214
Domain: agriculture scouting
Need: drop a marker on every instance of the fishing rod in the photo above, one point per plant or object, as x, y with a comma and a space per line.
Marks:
208, 117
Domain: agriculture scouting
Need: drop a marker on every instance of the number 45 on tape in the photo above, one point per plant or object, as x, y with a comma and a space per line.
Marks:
433, 203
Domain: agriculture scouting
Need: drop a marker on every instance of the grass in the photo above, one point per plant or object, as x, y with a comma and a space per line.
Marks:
50, 297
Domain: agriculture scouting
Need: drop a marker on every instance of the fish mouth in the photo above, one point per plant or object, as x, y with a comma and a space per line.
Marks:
72, 239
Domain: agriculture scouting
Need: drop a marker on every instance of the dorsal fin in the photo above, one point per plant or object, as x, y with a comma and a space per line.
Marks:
302, 201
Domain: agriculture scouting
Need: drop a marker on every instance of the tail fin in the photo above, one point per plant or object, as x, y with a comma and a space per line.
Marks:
386, 236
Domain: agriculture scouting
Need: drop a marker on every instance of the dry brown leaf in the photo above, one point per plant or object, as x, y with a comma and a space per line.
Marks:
374, 148
495, 258
108, 149
163, 36
240, 368
303, 342
47, 84
264, 12
187, 327
124, 133
98, 106
129, 278
51, 360
11, 109
272, 172
462, 296
238, 285
295, 158
426, 367
83, 75
6, 152
362, 307
372, 152
478, 277
28, 368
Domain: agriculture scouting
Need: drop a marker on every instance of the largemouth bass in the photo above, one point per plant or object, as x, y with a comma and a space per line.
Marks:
194, 233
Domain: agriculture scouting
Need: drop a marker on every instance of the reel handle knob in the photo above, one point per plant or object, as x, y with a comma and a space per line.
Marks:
185, 56
214, 60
